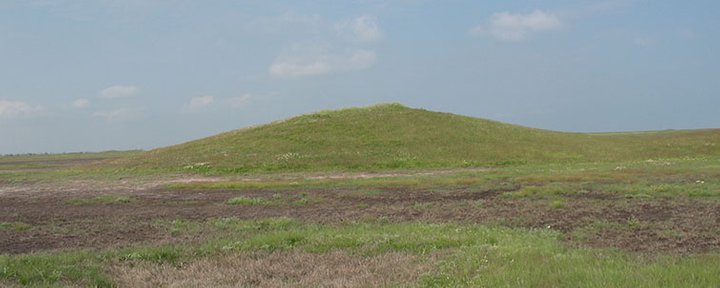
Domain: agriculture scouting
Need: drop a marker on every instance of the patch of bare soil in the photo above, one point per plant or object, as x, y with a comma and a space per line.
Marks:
681, 225
280, 269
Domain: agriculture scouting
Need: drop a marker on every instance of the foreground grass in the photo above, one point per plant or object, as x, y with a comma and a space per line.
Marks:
463, 255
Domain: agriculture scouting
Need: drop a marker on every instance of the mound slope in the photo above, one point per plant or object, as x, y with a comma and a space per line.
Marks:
395, 136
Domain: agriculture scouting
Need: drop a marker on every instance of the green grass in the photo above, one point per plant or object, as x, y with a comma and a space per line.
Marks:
544, 263
14, 226
558, 204
55, 269
249, 201
466, 255
392, 136
276, 200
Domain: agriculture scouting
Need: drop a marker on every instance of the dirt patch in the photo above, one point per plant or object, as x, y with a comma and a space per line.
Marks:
282, 269
680, 225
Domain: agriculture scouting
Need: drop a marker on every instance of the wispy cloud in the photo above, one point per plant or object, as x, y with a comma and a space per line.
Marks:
327, 53
119, 91
198, 104
238, 101
515, 27
17, 109
120, 114
361, 29
211, 103
81, 103
321, 64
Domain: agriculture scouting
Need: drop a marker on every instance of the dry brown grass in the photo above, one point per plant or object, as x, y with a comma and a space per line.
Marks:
280, 269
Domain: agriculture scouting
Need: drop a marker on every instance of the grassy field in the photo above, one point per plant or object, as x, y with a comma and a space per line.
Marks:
30, 163
5, 159
612, 224
432, 255
518, 207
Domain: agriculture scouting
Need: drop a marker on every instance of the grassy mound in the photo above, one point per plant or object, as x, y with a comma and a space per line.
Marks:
391, 136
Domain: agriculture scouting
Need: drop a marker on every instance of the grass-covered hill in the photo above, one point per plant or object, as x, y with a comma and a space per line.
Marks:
395, 136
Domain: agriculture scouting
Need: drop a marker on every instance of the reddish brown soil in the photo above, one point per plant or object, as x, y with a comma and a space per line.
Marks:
679, 225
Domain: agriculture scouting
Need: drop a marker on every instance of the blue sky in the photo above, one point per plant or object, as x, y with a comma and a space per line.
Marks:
126, 74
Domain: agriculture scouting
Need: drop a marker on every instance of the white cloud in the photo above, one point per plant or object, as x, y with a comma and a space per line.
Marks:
119, 91
238, 102
81, 103
120, 114
198, 104
17, 109
321, 64
361, 29
515, 27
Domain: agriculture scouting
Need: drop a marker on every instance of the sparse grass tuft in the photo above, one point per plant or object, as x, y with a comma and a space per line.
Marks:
14, 226
545, 191
557, 204
158, 255
103, 199
276, 200
422, 205
249, 201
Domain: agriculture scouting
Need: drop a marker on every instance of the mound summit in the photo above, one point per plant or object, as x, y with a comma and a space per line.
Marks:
393, 136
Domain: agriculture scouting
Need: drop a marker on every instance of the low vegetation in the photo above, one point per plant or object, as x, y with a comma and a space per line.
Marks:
455, 255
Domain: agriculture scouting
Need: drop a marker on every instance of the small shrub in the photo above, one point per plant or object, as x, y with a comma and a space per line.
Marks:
633, 222
557, 204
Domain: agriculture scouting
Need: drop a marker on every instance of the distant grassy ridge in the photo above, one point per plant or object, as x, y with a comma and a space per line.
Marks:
47, 157
392, 136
